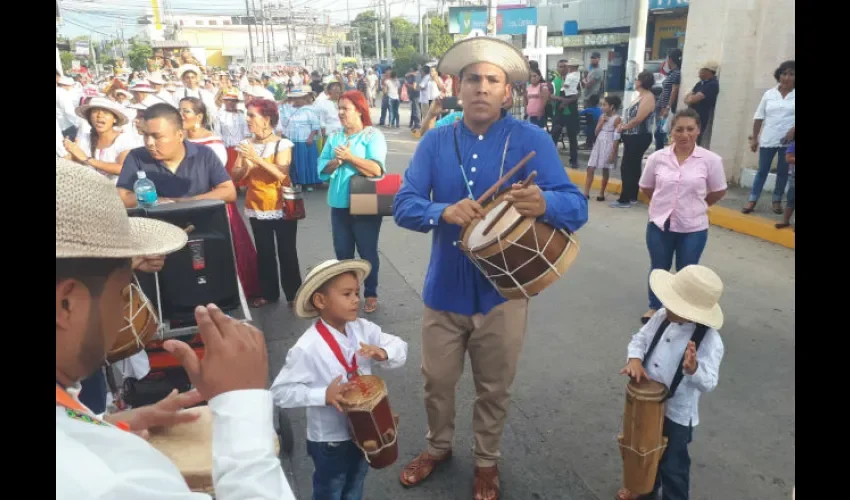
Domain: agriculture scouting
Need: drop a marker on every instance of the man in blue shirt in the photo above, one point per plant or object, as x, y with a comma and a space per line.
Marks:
463, 310
178, 168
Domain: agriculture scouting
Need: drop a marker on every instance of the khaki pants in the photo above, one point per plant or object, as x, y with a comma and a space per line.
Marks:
494, 343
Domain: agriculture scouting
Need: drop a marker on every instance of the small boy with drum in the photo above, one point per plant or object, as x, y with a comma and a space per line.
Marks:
680, 346
336, 348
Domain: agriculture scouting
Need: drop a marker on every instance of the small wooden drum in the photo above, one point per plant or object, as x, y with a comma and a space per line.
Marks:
372, 423
189, 446
141, 324
520, 255
642, 442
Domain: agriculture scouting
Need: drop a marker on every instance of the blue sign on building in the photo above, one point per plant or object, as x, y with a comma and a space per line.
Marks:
462, 20
515, 21
510, 21
667, 4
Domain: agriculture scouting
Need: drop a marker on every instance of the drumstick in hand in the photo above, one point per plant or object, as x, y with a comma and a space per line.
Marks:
505, 178
508, 205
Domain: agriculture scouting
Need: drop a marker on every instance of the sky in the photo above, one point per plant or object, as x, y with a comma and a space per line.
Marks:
103, 18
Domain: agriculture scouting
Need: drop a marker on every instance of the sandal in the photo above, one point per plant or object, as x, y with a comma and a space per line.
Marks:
647, 316
420, 468
777, 207
371, 305
625, 494
782, 225
749, 207
486, 483
601, 197
259, 302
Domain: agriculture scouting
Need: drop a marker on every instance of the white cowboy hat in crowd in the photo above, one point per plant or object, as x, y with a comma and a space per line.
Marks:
142, 87
693, 293
103, 103
187, 68
259, 92
485, 49
91, 221
124, 92
66, 81
156, 78
320, 275
137, 106
299, 91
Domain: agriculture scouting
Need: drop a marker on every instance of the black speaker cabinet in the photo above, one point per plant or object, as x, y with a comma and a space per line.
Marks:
202, 272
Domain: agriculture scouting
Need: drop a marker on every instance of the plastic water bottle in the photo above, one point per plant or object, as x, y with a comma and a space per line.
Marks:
145, 190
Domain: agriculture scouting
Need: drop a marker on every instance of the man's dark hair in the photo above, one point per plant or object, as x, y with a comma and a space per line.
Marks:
425, 69
332, 85
166, 111
595, 55
91, 272
646, 79
783, 68
565, 61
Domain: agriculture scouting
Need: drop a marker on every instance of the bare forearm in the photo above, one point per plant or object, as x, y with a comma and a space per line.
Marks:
714, 197
757, 128
105, 166
647, 192
369, 168
128, 198
274, 169
331, 166
225, 192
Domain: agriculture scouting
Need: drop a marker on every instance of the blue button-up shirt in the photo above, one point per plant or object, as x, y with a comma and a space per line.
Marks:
434, 180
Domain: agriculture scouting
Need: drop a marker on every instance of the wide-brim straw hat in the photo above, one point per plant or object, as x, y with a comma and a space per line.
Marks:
485, 49
156, 78
187, 68
92, 222
693, 293
106, 104
711, 65
142, 87
231, 95
320, 275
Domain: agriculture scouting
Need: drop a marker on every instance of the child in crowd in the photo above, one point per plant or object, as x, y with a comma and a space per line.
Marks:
336, 348
791, 159
680, 346
591, 114
604, 153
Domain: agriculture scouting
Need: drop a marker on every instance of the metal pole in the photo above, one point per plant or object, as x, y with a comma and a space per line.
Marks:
271, 30
389, 44
250, 36
491, 17
637, 47
427, 29
289, 31
93, 53
419, 14
377, 41
265, 38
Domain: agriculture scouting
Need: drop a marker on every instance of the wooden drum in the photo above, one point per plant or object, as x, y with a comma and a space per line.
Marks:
189, 446
520, 255
141, 324
642, 442
372, 423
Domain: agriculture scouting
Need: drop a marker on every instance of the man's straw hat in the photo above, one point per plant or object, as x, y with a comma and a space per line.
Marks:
91, 221
485, 49
693, 293
320, 275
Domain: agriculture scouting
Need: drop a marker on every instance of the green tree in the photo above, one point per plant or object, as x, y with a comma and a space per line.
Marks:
364, 24
439, 39
138, 55
405, 58
66, 58
404, 33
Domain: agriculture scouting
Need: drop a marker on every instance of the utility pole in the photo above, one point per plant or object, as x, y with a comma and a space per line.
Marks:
427, 29
491, 17
388, 19
250, 36
271, 31
637, 47
377, 41
289, 32
265, 38
419, 14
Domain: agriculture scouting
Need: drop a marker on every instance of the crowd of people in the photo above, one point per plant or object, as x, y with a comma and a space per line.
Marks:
197, 134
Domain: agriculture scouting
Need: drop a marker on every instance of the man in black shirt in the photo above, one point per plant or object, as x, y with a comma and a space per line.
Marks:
703, 97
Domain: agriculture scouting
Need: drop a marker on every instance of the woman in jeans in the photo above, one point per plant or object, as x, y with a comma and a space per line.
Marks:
359, 149
773, 129
264, 162
391, 89
636, 134
536, 97
682, 181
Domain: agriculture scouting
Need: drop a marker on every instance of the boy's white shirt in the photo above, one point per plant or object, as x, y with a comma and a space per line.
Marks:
311, 366
683, 407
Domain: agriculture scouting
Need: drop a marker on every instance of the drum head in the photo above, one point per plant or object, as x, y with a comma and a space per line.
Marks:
506, 221
647, 390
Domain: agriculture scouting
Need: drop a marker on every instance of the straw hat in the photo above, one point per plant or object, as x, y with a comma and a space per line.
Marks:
711, 65
124, 93
91, 221
231, 95
692, 293
488, 50
142, 87
320, 275
299, 91
187, 68
106, 104
156, 78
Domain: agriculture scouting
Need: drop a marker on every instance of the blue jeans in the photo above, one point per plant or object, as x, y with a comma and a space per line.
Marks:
340, 470
674, 470
663, 245
415, 119
660, 135
361, 231
792, 194
765, 158
394, 119
385, 110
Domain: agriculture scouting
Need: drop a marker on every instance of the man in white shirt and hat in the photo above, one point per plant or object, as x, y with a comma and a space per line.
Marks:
190, 75
65, 107
104, 456
158, 83
144, 93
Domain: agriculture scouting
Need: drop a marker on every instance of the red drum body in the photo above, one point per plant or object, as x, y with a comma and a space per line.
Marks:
372, 422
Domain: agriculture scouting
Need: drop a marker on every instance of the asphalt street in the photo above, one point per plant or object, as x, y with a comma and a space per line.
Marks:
567, 400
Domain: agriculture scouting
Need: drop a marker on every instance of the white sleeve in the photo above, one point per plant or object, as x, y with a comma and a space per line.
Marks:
292, 386
395, 347
60, 142
245, 465
641, 340
709, 355
760, 110
216, 124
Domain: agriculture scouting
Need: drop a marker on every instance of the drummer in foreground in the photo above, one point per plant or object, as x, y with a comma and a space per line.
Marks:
102, 457
318, 367
693, 293
463, 311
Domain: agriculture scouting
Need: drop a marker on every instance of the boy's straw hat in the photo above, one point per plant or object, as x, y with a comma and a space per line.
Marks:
320, 275
693, 293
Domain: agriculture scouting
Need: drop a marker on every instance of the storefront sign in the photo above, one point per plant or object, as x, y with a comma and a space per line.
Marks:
590, 40
462, 20
667, 4
515, 21
510, 21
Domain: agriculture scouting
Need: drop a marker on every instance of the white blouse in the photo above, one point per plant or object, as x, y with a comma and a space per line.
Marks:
778, 114
232, 127
124, 142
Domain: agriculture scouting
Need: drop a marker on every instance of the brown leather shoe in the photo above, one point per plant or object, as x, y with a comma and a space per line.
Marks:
420, 468
486, 483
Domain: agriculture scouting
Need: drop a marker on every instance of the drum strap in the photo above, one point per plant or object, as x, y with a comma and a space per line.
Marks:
65, 400
350, 370
698, 335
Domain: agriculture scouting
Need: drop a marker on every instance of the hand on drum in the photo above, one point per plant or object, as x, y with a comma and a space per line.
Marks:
463, 212
528, 201
167, 412
690, 363
235, 356
149, 263
634, 369
335, 392
372, 352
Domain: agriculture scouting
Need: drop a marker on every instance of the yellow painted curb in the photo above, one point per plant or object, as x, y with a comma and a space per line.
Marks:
751, 225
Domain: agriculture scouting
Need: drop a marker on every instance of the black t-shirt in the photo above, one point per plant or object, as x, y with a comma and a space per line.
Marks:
705, 108
411, 79
317, 87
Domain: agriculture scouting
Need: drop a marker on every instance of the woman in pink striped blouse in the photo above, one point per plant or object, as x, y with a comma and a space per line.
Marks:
682, 181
